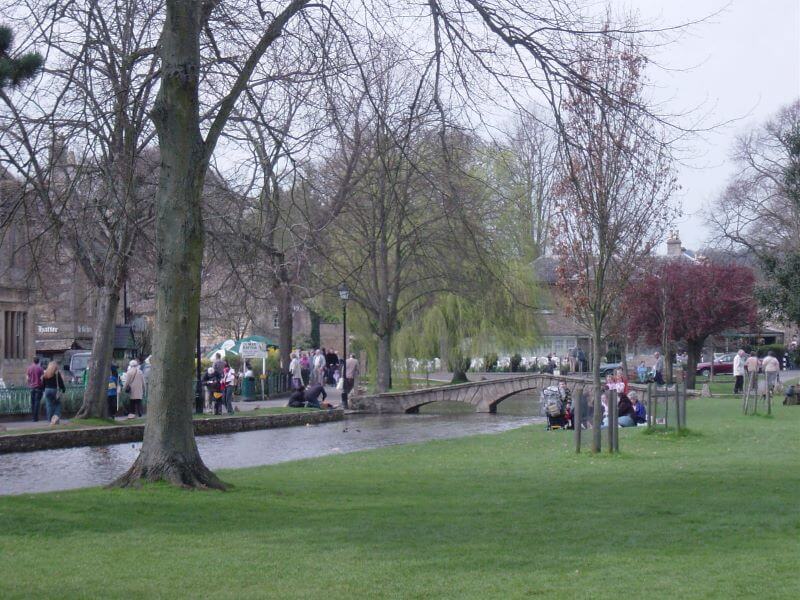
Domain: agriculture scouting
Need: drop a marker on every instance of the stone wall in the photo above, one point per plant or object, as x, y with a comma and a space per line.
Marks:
104, 436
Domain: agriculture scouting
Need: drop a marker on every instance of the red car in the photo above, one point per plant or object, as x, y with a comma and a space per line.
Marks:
724, 364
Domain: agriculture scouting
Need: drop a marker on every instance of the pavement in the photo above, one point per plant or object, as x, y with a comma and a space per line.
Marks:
335, 396
240, 406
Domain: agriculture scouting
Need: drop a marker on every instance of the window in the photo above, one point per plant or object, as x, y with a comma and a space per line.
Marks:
15, 330
275, 322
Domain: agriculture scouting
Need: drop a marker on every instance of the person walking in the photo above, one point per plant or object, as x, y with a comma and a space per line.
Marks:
219, 365
751, 370
113, 391
53, 383
353, 371
305, 367
738, 372
34, 376
332, 363
296, 372
658, 369
229, 385
318, 368
134, 387
771, 367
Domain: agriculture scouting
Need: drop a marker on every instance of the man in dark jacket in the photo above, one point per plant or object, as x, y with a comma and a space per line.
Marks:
312, 395
297, 399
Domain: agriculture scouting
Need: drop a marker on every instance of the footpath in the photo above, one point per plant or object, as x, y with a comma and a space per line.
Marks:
240, 407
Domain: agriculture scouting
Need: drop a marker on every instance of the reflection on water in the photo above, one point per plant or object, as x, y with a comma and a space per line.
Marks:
50, 470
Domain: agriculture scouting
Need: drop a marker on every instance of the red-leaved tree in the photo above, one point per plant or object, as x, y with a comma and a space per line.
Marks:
681, 300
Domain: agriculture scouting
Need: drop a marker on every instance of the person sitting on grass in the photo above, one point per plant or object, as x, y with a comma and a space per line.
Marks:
640, 412
626, 412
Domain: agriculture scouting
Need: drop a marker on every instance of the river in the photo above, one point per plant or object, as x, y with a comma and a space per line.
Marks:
51, 470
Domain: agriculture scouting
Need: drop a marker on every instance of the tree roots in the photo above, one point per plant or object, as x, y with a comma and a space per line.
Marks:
192, 474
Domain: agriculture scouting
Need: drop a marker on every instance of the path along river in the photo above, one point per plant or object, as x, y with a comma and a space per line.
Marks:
51, 470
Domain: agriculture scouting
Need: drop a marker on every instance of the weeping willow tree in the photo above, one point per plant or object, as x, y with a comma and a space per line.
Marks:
456, 327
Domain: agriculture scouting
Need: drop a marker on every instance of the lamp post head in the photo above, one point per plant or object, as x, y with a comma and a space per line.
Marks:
344, 292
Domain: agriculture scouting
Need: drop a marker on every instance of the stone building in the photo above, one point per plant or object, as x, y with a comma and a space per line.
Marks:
16, 307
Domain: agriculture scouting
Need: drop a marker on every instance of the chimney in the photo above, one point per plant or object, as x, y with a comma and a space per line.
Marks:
674, 249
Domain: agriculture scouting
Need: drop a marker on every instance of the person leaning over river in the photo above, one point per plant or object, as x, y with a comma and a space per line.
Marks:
53, 383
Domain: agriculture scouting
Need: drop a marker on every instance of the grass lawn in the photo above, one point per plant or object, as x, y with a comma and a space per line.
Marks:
81, 423
712, 515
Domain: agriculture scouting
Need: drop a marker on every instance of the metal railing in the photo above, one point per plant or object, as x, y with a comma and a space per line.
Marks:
17, 400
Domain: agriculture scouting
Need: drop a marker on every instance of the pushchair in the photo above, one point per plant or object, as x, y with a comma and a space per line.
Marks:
553, 408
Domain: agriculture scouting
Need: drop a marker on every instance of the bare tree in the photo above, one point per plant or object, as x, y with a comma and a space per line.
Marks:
497, 37
78, 140
614, 203
759, 211
527, 173
402, 234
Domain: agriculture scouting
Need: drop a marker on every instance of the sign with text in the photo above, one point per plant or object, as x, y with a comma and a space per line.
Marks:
253, 350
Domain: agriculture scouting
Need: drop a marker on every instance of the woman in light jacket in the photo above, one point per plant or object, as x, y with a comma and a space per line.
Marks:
134, 386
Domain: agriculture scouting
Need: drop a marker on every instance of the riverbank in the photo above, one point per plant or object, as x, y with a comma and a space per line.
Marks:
103, 433
512, 515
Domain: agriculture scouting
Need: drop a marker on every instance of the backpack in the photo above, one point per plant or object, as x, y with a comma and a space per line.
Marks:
553, 407
551, 402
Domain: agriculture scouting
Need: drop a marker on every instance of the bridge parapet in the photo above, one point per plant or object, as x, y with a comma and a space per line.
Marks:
484, 395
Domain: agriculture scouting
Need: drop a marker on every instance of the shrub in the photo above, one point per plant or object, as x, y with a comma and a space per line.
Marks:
490, 362
778, 349
516, 361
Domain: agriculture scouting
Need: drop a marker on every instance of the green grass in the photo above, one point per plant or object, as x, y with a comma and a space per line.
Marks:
83, 423
710, 514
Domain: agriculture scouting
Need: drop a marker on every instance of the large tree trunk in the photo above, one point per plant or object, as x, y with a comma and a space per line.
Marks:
597, 417
693, 349
94, 397
384, 362
285, 324
169, 451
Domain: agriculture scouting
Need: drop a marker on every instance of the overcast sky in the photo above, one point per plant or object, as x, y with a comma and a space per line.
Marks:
743, 64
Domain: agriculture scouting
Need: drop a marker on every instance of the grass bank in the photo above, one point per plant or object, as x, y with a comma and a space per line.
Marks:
714, 514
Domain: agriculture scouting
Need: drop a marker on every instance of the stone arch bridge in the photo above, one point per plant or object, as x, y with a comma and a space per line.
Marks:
483, 395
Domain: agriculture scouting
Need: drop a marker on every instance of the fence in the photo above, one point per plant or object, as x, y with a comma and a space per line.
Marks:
17, 400
658, 401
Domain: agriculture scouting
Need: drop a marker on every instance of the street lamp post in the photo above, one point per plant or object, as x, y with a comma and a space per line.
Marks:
344, 294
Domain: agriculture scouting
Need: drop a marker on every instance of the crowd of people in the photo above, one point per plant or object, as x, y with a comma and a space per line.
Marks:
312, 370
310, 373
48, 385
558, 405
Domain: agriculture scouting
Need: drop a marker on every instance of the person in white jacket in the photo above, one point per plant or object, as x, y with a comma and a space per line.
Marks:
296, 371
738, 371
318, 368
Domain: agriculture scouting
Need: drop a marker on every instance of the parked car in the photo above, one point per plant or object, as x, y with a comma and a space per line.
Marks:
722, 365
75, 364
607, 369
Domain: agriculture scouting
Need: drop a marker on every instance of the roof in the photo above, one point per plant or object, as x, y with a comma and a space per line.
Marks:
554, 322
123, 338
58, 345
